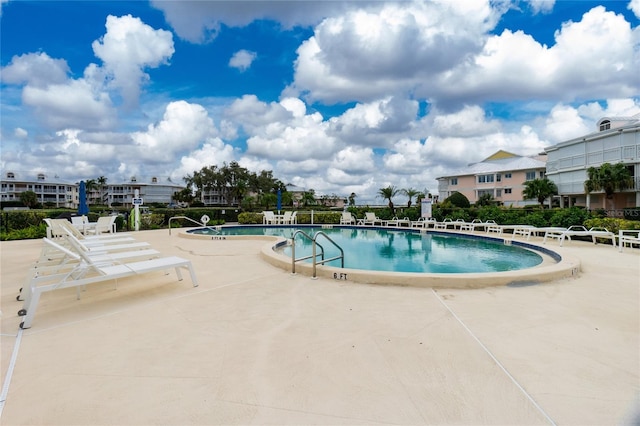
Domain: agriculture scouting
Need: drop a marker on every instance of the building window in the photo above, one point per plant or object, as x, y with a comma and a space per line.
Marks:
40, 176
485, 178
507, 175
605, 125
542, 174
530, 176
133, 179
482, 192
498, 177
154, 180
498, 193
10, 175
454, 181
507, 190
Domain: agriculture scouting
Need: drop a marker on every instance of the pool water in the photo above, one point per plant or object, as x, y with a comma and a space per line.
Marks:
379, 249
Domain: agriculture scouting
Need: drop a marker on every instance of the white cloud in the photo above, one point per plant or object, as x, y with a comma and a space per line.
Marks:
242, 60
183, 127
73, 104
35, 69
369, 54
20, 133
200, 21
213, 152
128, 47
541, 6
593, 58
634, 6
566, 122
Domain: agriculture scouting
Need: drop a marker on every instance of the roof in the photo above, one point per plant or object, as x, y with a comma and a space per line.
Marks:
506, 164
32, 177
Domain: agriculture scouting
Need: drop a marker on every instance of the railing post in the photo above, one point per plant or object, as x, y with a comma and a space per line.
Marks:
293, 255
313, 252
312, 217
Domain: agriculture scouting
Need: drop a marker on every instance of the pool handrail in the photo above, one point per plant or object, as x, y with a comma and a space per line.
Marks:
215, 229
314, 255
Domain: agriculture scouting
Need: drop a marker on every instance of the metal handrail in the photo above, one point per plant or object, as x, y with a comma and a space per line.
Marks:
214, 229
314, 255
293, 250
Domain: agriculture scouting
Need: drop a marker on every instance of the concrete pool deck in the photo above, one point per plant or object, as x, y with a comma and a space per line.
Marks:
254, 344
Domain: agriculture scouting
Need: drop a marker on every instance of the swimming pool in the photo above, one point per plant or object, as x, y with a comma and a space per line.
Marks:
378, 249
553, 265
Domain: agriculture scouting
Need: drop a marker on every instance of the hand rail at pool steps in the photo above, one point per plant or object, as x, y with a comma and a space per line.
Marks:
215, 229
314, 254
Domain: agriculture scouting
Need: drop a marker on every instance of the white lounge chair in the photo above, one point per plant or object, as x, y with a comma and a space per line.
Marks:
593, 233
57, 228
87, 271
423, 222
399, 222
347, 219
444, 224
628, 236
370, 218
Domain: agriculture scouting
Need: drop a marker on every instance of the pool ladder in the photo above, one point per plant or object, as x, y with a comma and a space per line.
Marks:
314, 255
205, 219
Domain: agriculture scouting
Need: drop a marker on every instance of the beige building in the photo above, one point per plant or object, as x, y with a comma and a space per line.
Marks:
502, 175
617, 140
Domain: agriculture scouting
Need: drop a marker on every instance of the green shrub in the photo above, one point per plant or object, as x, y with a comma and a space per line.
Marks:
29, 233
612, 224
249, 218
569, 217
458, 200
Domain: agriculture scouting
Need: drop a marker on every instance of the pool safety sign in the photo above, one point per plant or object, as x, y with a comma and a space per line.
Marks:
425, 205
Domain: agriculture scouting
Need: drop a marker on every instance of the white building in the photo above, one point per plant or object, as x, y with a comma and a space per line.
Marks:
51, 191
616, 141
153, 191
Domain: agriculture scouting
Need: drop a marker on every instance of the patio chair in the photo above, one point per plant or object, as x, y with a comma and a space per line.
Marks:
82, 224
88, 271
628, 236
269, 218
347, 219
399, 222
444, 224
470, 226
286, 218
57, 228
594, 233
370, 218
105, 224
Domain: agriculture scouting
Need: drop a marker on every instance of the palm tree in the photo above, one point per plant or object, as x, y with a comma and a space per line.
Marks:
308, 198
608, 178
352, 199
410, 192
388, 193
91, 185
102, 181
539, 189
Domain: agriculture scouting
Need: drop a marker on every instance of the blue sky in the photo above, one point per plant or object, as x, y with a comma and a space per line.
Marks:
338, 97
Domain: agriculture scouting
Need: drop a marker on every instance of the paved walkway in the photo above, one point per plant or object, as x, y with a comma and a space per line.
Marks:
255, 345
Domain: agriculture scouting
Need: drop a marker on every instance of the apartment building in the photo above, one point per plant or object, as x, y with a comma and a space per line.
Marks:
153, 190
501, 175
49, 190
617, 140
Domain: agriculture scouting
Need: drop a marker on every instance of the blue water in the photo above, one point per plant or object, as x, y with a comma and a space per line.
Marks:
378, 249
